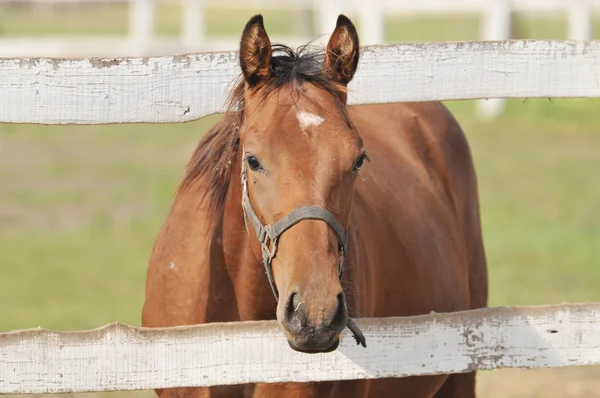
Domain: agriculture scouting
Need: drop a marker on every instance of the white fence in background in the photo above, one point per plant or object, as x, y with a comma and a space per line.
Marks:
371, 14
174, 89
142, 41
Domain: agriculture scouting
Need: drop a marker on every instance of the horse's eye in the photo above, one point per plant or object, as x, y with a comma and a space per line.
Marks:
359, 162
253, 163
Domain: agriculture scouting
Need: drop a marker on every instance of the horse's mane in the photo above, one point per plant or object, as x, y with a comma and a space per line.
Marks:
217, 152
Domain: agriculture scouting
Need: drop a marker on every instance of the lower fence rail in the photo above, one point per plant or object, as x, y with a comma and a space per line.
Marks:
121, 357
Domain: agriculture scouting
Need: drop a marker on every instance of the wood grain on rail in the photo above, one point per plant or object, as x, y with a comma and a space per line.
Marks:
121, 357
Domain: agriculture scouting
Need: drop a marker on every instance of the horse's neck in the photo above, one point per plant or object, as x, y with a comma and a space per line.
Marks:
241, 252
202, 268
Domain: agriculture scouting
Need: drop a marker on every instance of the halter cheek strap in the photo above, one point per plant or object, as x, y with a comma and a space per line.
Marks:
268, 236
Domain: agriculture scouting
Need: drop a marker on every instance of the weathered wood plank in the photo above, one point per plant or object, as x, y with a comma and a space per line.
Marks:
188, 87
120, 357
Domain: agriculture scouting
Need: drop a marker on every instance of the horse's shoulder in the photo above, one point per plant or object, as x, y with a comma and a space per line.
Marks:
419, 145
424, 131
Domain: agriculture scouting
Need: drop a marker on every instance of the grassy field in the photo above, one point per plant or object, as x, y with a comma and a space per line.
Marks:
80, 205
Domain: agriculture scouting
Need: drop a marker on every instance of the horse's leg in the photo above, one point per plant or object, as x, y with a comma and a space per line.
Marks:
407, 387
183, 392
329, 389
352, 389
293, 390
458, 385
203, 392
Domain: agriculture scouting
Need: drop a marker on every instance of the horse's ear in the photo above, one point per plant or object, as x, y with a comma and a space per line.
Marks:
255, 52
341, 57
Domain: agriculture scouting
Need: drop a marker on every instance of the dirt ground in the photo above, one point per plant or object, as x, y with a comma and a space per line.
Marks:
580, 382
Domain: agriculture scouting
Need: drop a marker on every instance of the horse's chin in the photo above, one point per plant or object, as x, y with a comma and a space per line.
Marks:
315, 350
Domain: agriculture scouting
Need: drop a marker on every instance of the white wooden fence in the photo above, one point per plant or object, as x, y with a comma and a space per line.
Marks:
173, 89
142, 40
187, 87
120, 357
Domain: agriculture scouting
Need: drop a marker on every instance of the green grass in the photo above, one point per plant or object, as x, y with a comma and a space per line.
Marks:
80, 205
91, 199
539, 192
88, 202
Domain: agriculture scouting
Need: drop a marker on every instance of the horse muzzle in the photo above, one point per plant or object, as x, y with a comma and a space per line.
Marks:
311, 326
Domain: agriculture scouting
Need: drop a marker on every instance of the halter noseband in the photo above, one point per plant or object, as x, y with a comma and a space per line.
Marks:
268, 236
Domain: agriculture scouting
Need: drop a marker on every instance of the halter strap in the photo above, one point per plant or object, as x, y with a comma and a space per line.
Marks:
310, 213
268, 236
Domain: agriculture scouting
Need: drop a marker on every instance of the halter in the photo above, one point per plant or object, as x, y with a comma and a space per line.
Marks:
268, 236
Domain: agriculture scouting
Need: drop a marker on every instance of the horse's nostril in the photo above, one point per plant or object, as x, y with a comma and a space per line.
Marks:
328, 317
340, 318
296, 303
293, 319
293, 302
341, 301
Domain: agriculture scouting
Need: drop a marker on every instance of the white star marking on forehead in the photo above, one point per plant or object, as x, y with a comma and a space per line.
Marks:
307, 120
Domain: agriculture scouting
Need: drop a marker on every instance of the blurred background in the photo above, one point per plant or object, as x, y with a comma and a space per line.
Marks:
80, 205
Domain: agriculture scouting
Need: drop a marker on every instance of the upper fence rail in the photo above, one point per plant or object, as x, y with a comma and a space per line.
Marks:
172, 89
120, 357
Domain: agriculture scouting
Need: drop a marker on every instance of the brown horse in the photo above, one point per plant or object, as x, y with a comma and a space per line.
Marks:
279, 185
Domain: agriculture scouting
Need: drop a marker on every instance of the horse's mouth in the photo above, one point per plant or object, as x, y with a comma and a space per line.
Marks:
315, 350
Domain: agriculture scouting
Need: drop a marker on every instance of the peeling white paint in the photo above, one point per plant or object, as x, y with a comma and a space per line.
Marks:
171, 89
121, 357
